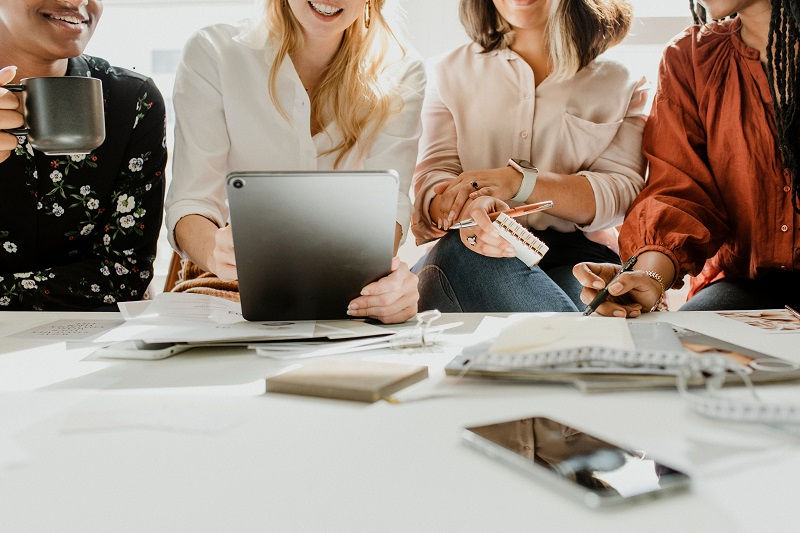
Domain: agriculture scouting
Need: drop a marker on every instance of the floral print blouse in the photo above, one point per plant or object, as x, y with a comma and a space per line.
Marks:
80, 232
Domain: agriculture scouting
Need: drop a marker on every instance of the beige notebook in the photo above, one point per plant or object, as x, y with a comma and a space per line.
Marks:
347, 379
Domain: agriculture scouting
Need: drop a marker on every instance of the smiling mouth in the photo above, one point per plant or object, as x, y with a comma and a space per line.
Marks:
74, 19
325, 9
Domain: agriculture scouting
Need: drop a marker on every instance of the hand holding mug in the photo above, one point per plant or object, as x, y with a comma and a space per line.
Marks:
10, 116
63, 115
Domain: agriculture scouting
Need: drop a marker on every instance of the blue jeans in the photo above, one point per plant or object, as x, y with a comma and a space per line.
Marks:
770, 291
453, 278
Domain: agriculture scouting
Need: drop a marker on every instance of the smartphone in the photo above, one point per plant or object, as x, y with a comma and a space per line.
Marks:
140, 350
598, 472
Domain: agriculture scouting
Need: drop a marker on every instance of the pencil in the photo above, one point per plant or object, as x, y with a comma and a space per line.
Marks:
513, 213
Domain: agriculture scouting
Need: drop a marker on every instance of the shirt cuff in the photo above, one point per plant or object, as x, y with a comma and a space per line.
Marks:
605, 202
185, 208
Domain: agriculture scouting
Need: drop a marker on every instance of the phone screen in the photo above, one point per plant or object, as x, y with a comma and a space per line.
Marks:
607, 470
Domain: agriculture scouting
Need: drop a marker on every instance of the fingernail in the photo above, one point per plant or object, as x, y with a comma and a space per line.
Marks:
352, 307
438, 222
350, 312
634, 314
615, 287
364, 292
598, 285
619, 313
451, 216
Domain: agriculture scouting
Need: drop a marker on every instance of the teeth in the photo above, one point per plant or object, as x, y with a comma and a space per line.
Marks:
67, 18
325, 9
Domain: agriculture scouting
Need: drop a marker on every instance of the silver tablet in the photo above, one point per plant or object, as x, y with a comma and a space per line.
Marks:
306, 243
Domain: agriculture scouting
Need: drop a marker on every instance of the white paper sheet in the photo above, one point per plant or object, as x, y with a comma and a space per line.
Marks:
198, 318
68, 330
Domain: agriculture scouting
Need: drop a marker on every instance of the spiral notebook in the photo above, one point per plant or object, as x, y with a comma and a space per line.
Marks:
600, 353
528, 247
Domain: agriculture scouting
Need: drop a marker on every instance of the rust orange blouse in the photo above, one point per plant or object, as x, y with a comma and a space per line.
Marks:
717, 195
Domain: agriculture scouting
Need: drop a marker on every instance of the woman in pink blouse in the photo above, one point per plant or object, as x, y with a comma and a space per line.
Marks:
529, 88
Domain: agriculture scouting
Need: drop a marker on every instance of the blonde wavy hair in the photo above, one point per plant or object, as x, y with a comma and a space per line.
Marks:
349, 93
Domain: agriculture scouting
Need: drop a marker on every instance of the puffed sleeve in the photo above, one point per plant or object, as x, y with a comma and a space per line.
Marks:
679, 212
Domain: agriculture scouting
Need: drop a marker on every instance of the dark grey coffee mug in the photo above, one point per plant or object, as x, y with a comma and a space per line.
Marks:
63, 114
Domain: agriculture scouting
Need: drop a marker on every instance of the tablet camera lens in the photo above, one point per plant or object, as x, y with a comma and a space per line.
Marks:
238, 184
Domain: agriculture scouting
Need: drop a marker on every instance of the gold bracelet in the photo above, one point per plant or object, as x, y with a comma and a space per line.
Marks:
656, 276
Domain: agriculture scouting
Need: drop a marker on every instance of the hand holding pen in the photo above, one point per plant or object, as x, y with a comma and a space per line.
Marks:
611, 291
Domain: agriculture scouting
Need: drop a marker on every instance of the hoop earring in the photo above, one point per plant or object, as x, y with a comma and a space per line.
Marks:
367, 14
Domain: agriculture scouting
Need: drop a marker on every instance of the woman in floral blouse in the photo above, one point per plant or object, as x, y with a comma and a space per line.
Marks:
76, 232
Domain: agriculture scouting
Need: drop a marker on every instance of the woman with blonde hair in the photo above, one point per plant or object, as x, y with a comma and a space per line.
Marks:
554, 122
306, 86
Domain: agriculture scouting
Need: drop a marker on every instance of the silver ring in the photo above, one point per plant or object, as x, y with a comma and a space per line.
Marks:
472, 240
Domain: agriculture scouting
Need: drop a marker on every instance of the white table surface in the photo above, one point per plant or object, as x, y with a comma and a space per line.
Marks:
193, 443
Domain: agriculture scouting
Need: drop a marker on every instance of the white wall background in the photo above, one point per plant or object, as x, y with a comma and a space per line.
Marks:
147, 36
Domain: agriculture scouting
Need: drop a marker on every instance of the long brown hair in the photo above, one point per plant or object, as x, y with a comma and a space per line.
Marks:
783, 56
349, 93
578, 30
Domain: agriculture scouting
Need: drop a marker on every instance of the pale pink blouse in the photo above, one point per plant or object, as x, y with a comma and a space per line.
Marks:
483, 108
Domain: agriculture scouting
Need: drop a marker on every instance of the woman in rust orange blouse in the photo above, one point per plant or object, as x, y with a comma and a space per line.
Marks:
723, 141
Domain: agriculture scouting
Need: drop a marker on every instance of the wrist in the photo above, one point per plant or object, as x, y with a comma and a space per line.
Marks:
662, 289
529, 174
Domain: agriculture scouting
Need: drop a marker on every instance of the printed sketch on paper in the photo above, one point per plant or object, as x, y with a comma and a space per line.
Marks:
773, 321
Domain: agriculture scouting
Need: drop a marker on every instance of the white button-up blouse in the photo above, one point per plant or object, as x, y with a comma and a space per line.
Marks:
484, 108
226, 121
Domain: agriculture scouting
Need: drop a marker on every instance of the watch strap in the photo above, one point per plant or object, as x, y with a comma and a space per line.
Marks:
529, 177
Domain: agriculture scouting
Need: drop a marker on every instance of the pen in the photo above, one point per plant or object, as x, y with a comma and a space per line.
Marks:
793, 311
516, 212
603, 294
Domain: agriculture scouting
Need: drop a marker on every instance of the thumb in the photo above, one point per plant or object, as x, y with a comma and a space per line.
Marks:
7, 74
395, 263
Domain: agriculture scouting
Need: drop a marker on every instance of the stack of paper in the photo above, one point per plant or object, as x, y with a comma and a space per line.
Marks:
201, 319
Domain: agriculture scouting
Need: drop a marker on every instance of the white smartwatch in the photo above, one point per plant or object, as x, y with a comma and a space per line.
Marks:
529, 174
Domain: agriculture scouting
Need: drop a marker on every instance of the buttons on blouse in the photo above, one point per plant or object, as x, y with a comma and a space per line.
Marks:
524, 134
784, 228
787, 189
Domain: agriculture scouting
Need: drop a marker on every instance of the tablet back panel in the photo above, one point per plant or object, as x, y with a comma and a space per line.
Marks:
306, 243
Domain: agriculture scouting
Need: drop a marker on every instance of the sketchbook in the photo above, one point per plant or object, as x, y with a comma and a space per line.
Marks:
602, 353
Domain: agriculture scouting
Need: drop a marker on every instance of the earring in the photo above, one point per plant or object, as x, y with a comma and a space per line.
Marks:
366, 15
